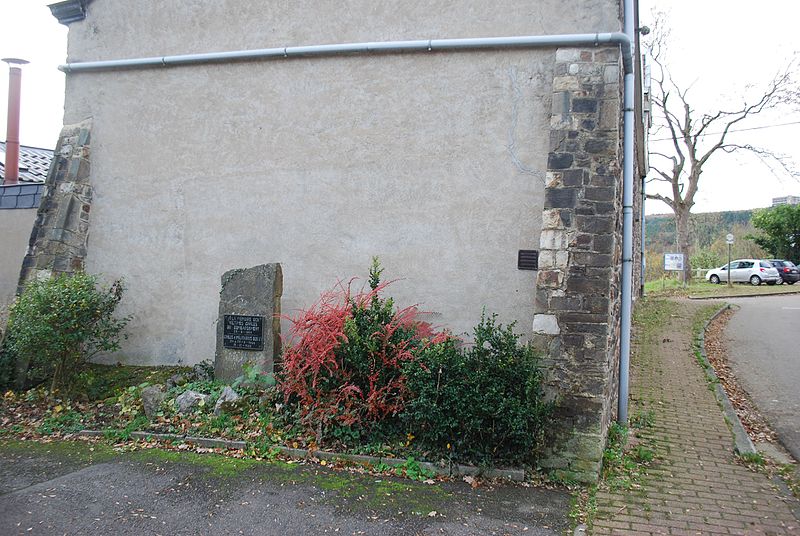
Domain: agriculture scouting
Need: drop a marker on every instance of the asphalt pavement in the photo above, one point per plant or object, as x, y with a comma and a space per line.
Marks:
764, 353
89, 488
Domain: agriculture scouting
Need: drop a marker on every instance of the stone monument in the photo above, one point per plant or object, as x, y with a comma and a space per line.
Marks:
248, 327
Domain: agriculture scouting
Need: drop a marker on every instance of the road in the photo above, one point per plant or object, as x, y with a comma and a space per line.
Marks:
764, 353
89, 488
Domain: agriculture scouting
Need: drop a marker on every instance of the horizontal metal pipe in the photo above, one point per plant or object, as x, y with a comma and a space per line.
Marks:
421, 45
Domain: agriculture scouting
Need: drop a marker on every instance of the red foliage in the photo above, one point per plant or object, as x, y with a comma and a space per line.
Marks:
351, 382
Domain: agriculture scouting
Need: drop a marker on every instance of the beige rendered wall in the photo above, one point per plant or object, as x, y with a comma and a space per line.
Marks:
15, 225
433, 162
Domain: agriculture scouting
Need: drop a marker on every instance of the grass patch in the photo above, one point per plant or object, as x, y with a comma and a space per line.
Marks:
753, 458
702, 288
643, 419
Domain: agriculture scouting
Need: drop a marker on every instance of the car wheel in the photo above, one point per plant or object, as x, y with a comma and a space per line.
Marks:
755, 280
790, 282
714, 279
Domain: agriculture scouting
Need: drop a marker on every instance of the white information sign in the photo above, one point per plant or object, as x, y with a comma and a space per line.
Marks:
673, 262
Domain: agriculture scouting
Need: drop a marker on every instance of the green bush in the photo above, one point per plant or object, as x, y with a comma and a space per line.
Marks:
483, 404
57, 324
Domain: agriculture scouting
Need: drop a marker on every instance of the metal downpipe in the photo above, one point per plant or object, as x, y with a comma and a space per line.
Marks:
627, 228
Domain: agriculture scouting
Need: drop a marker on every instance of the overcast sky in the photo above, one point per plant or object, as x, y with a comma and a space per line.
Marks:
725, 50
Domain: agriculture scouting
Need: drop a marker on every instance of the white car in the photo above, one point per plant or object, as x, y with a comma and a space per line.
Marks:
753, 271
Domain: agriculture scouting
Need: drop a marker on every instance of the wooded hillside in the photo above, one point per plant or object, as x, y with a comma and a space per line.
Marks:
707, 236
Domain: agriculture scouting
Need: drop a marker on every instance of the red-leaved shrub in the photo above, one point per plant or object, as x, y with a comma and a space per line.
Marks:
344, 359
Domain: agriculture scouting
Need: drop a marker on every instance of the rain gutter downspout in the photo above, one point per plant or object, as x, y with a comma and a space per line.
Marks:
627, 224
624, 40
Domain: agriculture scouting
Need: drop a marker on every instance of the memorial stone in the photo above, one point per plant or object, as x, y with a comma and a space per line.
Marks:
248, 326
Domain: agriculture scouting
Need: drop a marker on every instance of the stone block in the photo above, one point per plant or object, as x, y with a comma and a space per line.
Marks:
546, 324
551, 219
609, 114
560, 104
568, 55
255, 293
559, 160
591, 259
586, 327
604, 243
611, 74
189, 401
565, 303
583, 106
593, 224
152, 397
596, 146
580, 316
560, 197
596, 304
573, 177
550, 278
566, 82
583, 241
552, 239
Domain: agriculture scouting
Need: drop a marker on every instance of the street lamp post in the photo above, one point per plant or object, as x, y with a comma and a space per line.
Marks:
729, 240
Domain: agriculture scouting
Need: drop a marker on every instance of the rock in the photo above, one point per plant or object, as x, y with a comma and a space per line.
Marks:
189, 401
152, 397
227, 401
201, 373
175, 380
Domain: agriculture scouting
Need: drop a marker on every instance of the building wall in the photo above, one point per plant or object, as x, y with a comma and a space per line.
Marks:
16, 227
436, 163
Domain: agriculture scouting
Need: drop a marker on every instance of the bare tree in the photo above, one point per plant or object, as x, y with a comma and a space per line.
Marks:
696, 136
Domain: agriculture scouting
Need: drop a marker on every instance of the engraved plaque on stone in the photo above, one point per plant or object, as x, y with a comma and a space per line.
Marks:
243, 332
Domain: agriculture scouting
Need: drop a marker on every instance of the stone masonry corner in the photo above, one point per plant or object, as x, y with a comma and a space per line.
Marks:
576, 322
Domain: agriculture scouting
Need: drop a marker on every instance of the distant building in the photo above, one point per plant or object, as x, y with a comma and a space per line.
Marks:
788, 200
18, 204
33, 165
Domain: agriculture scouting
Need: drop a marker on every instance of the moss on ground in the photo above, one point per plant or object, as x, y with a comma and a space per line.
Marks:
99, 382
359, 491
73, 451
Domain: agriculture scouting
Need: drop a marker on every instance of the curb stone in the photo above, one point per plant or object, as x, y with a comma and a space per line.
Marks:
742, 442
454, 470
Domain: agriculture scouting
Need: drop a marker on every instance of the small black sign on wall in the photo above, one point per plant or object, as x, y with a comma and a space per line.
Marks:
528, 259
242, 332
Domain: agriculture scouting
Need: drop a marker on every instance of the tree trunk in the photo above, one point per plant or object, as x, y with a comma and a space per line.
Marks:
682, 238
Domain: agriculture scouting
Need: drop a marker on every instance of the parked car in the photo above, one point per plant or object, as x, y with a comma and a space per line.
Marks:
753, 271
788, 272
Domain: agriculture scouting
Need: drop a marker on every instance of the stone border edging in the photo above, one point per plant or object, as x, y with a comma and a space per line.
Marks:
742, 442
793, 291
452, 470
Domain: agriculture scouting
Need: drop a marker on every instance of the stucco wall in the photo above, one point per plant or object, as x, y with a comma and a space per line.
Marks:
16, 227
433, 162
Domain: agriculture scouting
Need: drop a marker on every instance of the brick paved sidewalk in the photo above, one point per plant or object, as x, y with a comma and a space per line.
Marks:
696, 486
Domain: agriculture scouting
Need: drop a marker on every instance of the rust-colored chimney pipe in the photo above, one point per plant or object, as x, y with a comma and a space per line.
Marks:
12, 127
